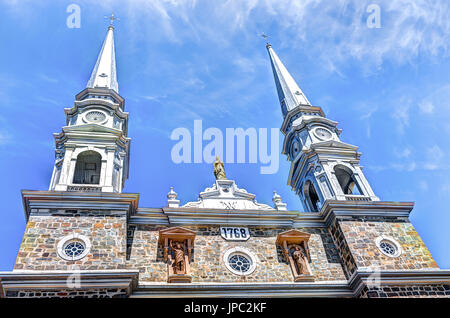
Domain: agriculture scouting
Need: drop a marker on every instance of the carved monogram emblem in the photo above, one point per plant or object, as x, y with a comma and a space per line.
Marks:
229, 205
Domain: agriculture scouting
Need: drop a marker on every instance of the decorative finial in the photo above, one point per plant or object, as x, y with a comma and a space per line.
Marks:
279, 205
172, 201
112, 18
276, 197
219, 169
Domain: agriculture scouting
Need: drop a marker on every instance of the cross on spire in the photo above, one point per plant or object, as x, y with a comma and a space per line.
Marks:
112, 18
265, 37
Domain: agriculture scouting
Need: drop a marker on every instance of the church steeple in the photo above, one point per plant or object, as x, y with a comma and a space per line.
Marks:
93, 149
104, 72
322, 166
289, 93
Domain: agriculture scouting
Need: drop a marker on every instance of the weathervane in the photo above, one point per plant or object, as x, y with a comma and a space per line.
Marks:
111, 19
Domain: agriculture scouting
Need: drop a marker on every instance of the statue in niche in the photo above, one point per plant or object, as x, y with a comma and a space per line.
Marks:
219, 169
179, 264
300, 258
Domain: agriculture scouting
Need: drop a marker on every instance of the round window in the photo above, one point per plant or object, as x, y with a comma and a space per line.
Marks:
240, 261
74, 247
388, 246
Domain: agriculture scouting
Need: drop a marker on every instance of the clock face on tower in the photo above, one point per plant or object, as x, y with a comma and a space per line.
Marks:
322, 133
95, 117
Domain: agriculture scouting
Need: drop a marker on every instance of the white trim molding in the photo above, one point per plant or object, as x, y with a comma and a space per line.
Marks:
73, 237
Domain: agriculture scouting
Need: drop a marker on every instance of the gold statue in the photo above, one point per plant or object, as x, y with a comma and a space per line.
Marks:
219, 169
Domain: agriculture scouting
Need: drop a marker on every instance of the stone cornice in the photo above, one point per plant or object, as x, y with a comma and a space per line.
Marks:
57, 280
292, 219
128, 279
128, 203
340, 209
75, 134
289, 289
299, 109
230, 217
98, 201
101, 91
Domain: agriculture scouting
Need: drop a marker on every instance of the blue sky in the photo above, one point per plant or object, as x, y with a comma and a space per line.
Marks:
388, 88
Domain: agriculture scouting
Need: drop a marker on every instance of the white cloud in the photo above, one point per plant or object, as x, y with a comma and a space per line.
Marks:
434, 156
423, 185
48, 78
404, 153
401, 115
426, 107
333, 31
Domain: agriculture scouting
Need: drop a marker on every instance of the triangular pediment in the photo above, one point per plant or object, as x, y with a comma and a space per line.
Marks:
292, 236
91, 128
178, 233
334, 144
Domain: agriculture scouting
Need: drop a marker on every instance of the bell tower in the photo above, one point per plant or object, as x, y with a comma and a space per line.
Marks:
322, 166
92, 152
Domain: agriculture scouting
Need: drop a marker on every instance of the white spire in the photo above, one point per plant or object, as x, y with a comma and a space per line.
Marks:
289, 92
104, 73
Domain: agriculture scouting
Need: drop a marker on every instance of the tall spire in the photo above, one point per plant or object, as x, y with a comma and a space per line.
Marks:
104, 73
289, 92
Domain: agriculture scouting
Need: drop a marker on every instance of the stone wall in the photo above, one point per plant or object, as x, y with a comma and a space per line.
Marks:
360, 237
91, 293
107, 234
342, 247
406, 291
209, 247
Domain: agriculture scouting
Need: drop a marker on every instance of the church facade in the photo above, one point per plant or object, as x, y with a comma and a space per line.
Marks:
86, 238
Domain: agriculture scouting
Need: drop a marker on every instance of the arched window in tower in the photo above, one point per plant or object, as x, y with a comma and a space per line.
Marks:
87, 169
311, 196
347, 181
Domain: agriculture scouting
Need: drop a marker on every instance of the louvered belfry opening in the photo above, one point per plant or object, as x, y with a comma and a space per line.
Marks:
347, 181
88, 167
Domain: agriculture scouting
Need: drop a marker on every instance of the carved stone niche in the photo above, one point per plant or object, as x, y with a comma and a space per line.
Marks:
178, 244
295, 248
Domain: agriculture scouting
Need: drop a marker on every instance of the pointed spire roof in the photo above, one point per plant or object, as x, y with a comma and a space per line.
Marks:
289, 92
104, 73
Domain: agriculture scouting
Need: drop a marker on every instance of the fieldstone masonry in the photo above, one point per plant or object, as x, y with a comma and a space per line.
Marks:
424, 291
38, 250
